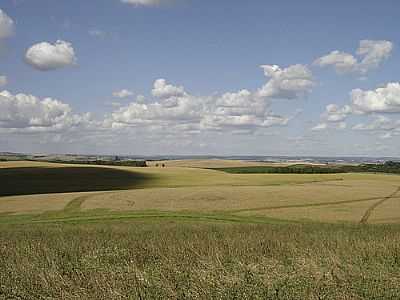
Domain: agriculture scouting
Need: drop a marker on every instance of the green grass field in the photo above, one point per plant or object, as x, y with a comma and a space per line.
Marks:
181, 259
79, 232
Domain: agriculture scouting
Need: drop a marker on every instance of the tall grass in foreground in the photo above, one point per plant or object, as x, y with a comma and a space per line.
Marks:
179, 260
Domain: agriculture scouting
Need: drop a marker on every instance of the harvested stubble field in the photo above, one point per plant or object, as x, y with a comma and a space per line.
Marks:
191, 233
312, 197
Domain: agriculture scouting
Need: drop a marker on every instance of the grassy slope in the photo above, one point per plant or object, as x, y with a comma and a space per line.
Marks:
186, 260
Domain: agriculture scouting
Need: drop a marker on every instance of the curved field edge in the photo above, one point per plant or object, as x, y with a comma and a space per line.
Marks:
105, 215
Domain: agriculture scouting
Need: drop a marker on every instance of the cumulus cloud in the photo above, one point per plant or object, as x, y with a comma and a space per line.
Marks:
334, 113
329, 125
6, 25
244, 110
163, 90
288, 83
380, 123
384, 99
320, 126
45, 56
370, 54
341, 61
143, 2
3, 80
173, 107
334, 117
122, 93
373, 53
27, 113
169, 111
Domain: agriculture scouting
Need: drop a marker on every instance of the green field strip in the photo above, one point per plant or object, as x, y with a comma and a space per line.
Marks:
369, 211
55, 217
385, 220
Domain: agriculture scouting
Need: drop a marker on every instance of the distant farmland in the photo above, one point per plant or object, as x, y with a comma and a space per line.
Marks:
339, 197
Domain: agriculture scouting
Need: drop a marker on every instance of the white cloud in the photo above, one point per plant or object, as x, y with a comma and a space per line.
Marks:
174, 108
343, 62
331, 125
246, 111
292, 82
334, 117
3, 80
380, 123
374, 52
6, 25
384, 99
334, 113
163, 90
27, 113
243, 109
122, 93
320, 126
370, 54
45, 56
142, 2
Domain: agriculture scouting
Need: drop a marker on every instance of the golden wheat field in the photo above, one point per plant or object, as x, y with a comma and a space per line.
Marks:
294, 197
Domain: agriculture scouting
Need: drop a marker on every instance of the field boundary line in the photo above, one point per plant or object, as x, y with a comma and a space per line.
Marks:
304, 205
369, 211
226, 218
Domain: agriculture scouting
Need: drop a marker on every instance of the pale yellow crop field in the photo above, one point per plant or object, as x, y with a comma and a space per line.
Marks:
33, 204
315, 197
387, 212
343, 212
210, 163
234, 199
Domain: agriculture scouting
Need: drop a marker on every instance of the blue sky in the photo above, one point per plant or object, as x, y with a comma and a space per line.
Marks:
203, 50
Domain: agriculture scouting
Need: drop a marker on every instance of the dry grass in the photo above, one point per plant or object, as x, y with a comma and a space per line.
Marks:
168, 260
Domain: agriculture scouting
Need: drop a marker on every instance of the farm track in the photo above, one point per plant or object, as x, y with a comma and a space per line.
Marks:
304, 205
75, 204
369, 211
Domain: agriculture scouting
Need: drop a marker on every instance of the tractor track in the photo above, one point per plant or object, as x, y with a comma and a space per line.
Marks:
369, 211
75, 204
305, 205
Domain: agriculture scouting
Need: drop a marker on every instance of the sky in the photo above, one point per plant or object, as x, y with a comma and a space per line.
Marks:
190, 77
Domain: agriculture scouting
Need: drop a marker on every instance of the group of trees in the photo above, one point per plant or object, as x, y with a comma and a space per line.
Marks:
387, 167
124, 163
